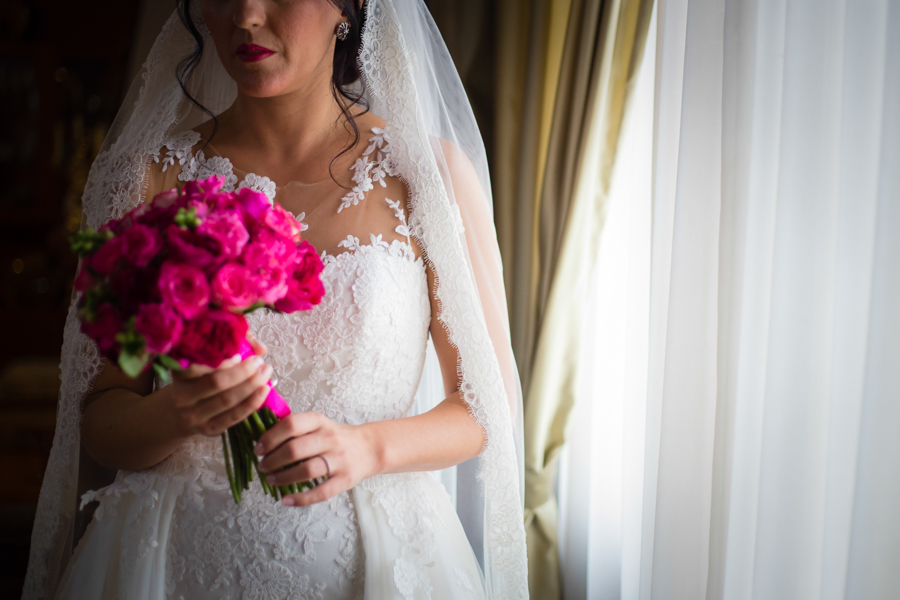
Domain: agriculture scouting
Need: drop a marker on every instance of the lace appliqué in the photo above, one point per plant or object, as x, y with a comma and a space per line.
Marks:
368, 171
259, 183
394, 248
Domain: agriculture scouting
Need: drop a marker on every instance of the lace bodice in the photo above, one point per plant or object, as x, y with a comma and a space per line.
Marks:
356, 357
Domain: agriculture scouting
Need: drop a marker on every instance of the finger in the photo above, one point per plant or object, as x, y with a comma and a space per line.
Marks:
222, 402
297, 449
219, 380
258, 347
320, 493
312, 468
293, 425
194, 371
229, 418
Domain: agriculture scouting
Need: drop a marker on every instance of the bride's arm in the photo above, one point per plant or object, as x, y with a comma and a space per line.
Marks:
442, 437
128, 426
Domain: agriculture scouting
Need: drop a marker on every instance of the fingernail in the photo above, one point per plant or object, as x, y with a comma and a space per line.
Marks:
258, 450
270, 479
257, 361
287, 501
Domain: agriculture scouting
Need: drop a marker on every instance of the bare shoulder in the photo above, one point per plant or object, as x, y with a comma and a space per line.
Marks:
366, 122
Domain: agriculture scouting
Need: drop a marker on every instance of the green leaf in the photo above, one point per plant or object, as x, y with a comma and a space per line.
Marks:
168, 362
132, 341
162, 373
187, 218
132, 364
253, 307
85, 243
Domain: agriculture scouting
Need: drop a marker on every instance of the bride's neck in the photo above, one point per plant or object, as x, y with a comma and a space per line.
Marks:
289, 127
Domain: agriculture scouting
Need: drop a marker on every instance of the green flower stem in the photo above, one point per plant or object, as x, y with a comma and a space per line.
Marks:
241, 460
228, 470
238, 475
258, 424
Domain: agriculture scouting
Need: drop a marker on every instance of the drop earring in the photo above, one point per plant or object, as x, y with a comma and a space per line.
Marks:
342, 30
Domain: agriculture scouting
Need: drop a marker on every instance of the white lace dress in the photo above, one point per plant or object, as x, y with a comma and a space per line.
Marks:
174, 531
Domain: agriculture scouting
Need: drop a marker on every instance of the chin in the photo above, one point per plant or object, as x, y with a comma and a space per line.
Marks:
261, 85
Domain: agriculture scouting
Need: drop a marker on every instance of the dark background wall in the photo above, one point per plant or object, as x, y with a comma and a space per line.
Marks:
64, 68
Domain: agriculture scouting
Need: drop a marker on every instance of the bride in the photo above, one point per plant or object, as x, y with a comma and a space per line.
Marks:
352, 117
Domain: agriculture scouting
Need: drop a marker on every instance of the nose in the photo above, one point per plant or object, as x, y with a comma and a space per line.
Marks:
249, 14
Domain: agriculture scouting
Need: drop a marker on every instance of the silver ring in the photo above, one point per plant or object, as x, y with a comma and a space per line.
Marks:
327, 466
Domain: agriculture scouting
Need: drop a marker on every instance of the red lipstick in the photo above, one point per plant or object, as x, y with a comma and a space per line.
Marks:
253, 52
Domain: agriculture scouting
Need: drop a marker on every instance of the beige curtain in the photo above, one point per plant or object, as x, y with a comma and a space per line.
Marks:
549, 98
563, 73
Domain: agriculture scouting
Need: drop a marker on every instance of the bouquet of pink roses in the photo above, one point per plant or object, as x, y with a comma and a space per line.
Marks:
168, 285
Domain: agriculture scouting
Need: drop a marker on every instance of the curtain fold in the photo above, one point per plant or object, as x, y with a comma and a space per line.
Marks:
530, 43
770, 421
603, 43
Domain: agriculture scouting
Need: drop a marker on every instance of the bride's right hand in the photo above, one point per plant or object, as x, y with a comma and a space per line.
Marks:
208, 401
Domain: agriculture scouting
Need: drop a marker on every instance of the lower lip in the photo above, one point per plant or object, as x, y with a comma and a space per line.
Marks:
254, 56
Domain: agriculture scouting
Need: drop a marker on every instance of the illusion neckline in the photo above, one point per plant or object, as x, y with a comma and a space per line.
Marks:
242, 174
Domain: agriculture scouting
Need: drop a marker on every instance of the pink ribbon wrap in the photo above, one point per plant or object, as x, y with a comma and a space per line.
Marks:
274, 400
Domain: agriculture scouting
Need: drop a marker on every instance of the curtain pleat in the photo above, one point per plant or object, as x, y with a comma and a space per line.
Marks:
772, 414
603, 46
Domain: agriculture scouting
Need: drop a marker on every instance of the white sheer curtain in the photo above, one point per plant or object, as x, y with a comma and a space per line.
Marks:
601, 479
750, 448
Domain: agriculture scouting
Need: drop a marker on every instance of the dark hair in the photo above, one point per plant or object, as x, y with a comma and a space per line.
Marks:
345, 69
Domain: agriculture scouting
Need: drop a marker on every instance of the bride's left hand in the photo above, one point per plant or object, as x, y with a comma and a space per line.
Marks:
309, 437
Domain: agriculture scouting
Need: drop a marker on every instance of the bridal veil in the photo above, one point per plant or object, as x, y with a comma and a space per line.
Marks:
410, 81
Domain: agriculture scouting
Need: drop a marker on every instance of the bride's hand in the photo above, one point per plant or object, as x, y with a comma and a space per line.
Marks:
208, 401
324, 446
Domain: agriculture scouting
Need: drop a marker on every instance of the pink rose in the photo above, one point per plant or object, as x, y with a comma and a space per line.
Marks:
269, 249
165, 199
188, 247
210, 185
83, 280
103, 329
157, 216
114, 225
140, 244
309, 264
107, 257
135, 286
234, 286
271, 283
160, 325
281, 221
200, 206
301, 295
253, 203
228, 230
305, 288
184, 288
211, 337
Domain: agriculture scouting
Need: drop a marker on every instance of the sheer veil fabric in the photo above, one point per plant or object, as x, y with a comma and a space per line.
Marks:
409, 81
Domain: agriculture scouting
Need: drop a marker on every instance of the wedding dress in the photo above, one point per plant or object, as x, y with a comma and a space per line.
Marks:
173, 531
356, 358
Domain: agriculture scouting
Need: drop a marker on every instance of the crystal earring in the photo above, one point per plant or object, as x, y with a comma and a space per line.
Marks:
342, 30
